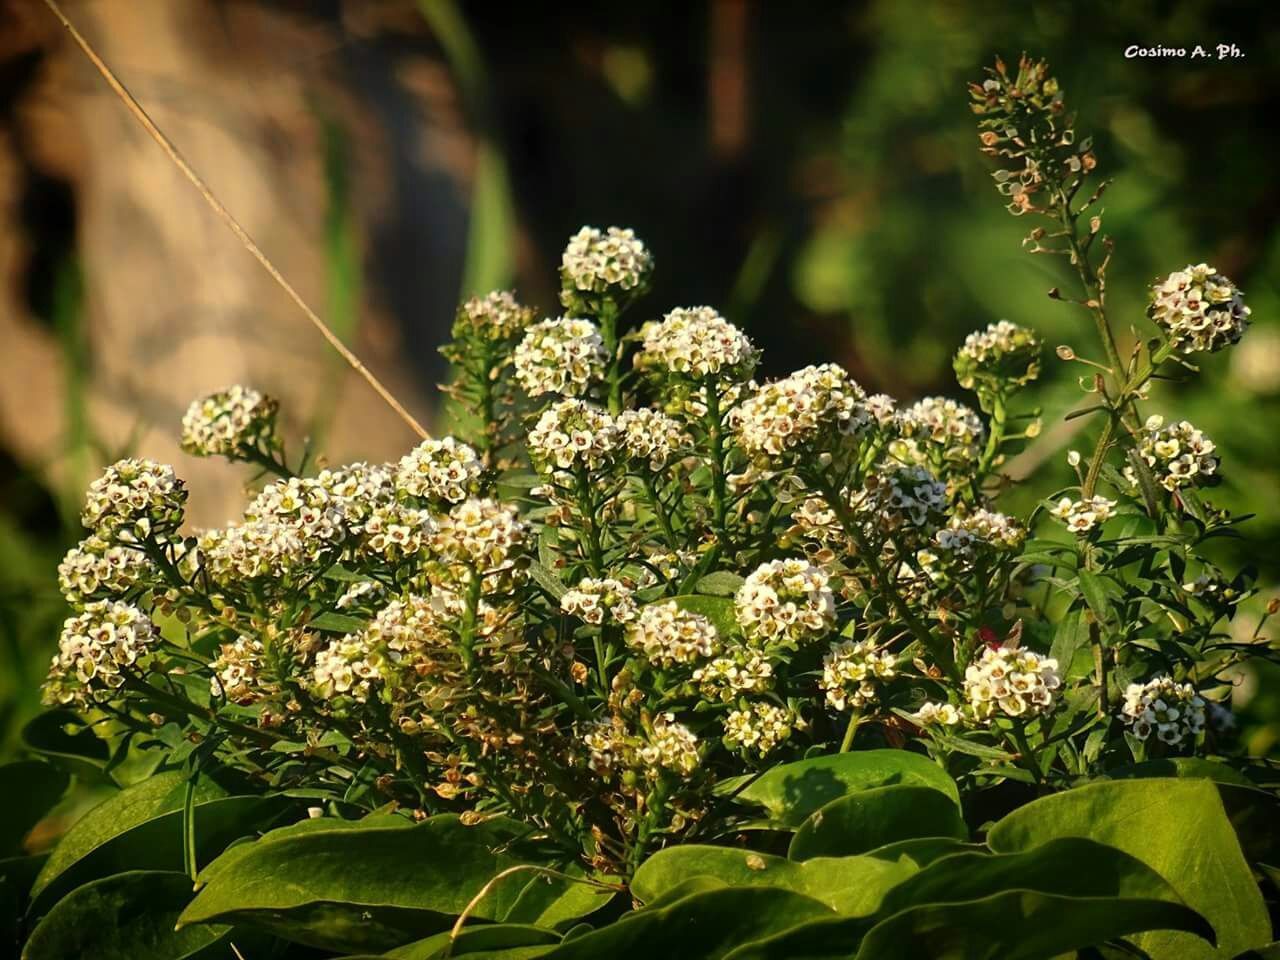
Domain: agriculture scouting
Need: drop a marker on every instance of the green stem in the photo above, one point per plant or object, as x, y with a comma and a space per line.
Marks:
660, 512
609, 333
1100, 454
855, 718
719, 494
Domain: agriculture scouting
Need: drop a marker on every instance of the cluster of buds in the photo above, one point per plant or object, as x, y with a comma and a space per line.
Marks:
940, 433
1199, 309
1003, 355
651, 438
666, 635
236, 423
1173, 711
133, 500
697, 343
598, 601
760, 728
496, 318
599, 264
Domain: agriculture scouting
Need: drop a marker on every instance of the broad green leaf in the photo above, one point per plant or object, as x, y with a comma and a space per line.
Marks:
479, 939
921, 851
129, 916
853, 886
31, 788
790, 792
141, 829
82, 752
722, 583
704, 926
872, 818
353, 889
1182, 767
719, 610
337, 623
1178, 828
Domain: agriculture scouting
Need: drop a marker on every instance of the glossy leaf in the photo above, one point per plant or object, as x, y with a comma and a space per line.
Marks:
790, 792
31, 788
718, 609
1177, 827
64, 740
872, 818
484, 938
128, 916
921, 851
722, 583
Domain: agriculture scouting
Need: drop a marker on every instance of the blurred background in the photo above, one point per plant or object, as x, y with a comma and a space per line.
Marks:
809, 169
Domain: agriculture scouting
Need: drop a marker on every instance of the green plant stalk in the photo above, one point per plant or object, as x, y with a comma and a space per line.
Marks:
659, 511
719, 493
609, 333
855, 719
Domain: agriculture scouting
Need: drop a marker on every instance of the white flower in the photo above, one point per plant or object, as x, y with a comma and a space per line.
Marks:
443, 470
787, 602
1011, 681
573, 434
347, 670
760, 729
742, 671
133, 499
494, 317
598, 261
359, 591
938, 431
1082, 516
1002, 352
94, 651
942, 714
896, 497
96, 569
596, 601
481, 537
236, 671
395, 532
807, 409
1199, 309
1179, 455
997, 531
668, 635
671, 746
229, 422
697, 342
652, 438
849, 672
563, 356
358, 489
1172, 711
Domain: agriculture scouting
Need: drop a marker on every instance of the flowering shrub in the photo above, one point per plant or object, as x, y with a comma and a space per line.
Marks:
652, 615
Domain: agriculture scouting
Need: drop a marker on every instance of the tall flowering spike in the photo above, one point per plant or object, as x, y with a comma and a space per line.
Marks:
574, 435
939, 432
668, 635
96, 650
1178, 455
1173, 711
232, 423
805, 412
496, 317
1199, 310
441, 471
1012, 682
1002, 356
696, 342
134, 499
565, 356
599, 264
97, 570
787, 602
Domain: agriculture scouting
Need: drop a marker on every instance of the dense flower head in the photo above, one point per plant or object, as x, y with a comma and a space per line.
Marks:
495, 317
815, 404
739, 672
599, 600
482, 535
291, 526
95, 649
134, 499
1199, 309
395, 532
96, 569
938, 431
785, 602
651, 438
1173, 711
1004, 353
697, 342
990, 527
759, 729
229, 422
358, 489
1010, 681
348, 669
1083, 515
850, 671
604, 261
672, 746
441, 471
898, 496
937, 714
1179, 455
573, 434
565, 356
237, 671
666, 635
409, 623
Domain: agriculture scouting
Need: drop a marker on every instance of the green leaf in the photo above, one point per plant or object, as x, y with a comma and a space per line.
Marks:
1093, 589
1071, 635
82, 752
704, 926
34, 788
719, 610
790, 792
482, 938
547, 580
853, 886
1178, 828
360, 889
16, 876
871, 818
722, 583
337, 623
129, 916
141, 829
921, 851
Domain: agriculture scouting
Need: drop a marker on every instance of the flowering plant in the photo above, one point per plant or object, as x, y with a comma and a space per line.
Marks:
651, 622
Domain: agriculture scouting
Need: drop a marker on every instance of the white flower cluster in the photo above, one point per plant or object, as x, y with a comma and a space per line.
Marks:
236, 670
725, 678
759, 729
1081, 516
96, 568
409, 624
347, 669
1016, 682
395, 532
938, 430
95, 649
442, 471
668, 635
697, 342
997, 530
597, 601
787, 602
229, 422
1172, 711
1002, 352
897, 496
495, 317
354, 594
358, 489
573, 434
671, 746
302, 505
1199, 309
481, 537
939, 714
812, 405
134, 499
651, 438
850, 671
1179, 455
595, 261
564, 356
